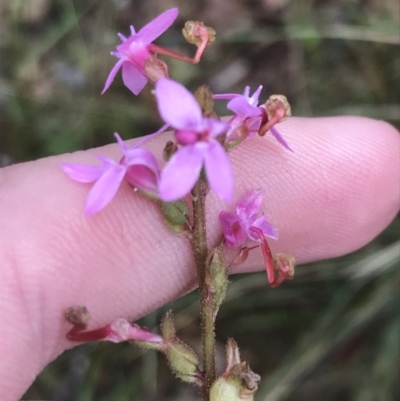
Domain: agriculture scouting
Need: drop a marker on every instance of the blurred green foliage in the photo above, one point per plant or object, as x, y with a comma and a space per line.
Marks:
331, 334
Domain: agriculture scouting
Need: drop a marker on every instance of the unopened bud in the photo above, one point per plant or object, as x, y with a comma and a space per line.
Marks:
155, 68
217, 280
168, 327
176, 215
182, 360
204, 97
170, 149
196, 33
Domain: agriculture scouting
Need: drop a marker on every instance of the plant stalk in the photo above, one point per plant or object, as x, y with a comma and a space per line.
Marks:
200, 251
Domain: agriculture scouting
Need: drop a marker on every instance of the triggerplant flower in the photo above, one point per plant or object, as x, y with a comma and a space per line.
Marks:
248, 112
135, 50
138, 167
245, 224
198, 137
237, 227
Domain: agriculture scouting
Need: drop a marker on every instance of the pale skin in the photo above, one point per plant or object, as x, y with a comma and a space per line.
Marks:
335, 193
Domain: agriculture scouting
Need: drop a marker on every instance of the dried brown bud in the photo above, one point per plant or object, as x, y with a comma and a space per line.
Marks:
169, 149
204, 97
78, 316
196, 33
278, 103
238, 382
284, 264
277, 109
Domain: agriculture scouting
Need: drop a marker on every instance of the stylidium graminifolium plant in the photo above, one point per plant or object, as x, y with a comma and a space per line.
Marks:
195, 163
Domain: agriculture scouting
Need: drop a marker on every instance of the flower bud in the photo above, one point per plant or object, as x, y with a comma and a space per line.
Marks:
217, 280
170, 148
176, 215
182, 360
204, 97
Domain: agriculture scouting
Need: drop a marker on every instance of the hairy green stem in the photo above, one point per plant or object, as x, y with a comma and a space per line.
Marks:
200, 251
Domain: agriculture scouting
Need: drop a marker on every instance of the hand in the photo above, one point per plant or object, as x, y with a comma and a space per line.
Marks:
335, 193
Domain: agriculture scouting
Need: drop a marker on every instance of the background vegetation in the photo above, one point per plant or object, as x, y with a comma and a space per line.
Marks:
331, 334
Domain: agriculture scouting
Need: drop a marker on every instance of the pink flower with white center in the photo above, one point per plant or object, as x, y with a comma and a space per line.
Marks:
135, 50
248, 112
138, 167
200, 147
238, 227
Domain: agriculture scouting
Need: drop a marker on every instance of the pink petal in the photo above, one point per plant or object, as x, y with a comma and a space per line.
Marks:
158, 26
112, 74
223, 96
248, 206
144, 157
277, 135
105, 188
177, 105
141, 177
181, 173
232, 229
142, 169
151, 136
267, 228
134, 80
81, 172
253, 100
215, 127
219, 171
120, 142
240, 106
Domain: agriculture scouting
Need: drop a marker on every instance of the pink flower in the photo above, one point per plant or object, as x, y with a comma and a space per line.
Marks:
135, 50
248, 112
138, 167
198, 137
238, 227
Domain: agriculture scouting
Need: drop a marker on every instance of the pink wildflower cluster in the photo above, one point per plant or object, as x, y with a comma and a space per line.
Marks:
201, 142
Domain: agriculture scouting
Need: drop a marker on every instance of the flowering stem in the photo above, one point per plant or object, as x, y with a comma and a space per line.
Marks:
200, 251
